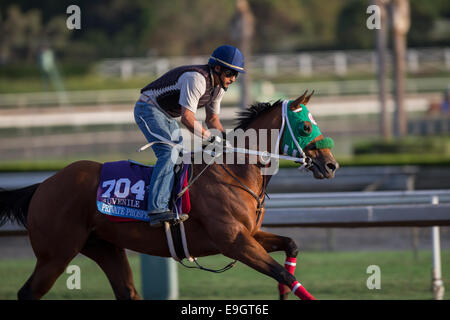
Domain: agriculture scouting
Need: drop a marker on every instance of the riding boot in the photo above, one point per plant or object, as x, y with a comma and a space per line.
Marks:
158, 218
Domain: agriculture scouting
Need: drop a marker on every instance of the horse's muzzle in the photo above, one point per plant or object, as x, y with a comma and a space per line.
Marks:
324, 171
330, 169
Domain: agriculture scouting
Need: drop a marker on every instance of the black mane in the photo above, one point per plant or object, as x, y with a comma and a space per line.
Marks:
248, 115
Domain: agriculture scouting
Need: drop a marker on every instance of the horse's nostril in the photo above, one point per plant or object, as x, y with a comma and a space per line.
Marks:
331, 166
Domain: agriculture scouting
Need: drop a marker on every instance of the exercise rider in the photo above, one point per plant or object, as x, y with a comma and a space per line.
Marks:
180, 92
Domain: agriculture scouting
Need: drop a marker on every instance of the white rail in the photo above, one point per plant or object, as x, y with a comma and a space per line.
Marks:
262, 90
359, 209
28, 117
339, 199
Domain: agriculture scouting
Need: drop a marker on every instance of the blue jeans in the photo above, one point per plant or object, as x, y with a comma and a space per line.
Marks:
149, 117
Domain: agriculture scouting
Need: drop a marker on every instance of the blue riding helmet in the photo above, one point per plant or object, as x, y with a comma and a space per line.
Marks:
229, 57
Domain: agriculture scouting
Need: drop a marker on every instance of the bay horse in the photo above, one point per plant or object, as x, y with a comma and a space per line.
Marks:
62, 220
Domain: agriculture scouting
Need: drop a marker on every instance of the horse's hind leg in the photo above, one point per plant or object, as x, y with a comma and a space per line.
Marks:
272, 242
113, 261
44, 276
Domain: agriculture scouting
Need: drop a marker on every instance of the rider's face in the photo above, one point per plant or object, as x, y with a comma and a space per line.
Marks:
228, 76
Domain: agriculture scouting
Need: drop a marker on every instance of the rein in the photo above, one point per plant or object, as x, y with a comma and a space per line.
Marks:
304, 160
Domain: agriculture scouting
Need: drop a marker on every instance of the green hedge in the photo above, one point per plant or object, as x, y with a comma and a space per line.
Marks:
439, 145
32, 70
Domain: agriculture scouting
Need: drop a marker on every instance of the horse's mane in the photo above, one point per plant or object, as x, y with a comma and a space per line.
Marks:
248, 115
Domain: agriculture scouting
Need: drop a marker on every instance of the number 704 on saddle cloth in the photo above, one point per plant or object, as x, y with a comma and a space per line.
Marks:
122, 191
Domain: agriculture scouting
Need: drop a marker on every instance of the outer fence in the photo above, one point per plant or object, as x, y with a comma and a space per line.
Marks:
303, 64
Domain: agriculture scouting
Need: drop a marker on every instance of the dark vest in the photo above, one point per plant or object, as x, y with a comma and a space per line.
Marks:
168, 101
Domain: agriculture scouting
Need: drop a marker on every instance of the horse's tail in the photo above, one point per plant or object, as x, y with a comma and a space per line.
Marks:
14, 204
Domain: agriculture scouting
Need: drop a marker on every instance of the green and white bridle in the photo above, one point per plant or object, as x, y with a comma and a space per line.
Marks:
293, 137
301, 130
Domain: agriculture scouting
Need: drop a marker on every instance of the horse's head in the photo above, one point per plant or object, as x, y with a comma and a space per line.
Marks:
307, 135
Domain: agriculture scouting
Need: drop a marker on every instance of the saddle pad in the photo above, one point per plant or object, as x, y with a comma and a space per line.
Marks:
122, 192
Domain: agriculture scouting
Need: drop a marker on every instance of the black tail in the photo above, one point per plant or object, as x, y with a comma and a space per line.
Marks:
14, 204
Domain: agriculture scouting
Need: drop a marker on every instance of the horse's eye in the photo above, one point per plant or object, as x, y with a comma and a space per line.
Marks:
305, 128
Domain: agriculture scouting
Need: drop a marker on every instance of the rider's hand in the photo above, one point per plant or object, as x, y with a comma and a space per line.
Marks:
217, 140
214, 139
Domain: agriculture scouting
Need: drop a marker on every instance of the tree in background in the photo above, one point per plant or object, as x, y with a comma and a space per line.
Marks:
23, 33
183, 27
122, 28
425, 19
351, 31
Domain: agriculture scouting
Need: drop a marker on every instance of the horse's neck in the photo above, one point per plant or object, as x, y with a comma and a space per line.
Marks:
268, 127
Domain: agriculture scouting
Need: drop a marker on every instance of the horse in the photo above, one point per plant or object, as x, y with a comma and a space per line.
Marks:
62, 219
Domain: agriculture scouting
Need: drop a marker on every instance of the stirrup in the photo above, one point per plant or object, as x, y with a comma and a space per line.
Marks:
158, 219
182, 217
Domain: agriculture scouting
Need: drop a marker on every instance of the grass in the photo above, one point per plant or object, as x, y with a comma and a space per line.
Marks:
327, 275
77, 82
53, 164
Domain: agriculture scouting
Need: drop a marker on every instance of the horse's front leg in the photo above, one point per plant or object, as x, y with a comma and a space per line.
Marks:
243, 247
272, 242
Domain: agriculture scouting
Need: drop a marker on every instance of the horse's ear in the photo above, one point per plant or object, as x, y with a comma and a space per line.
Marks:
297, 102
308, 97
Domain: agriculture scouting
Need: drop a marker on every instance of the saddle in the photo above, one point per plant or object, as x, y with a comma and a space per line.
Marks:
122, 194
